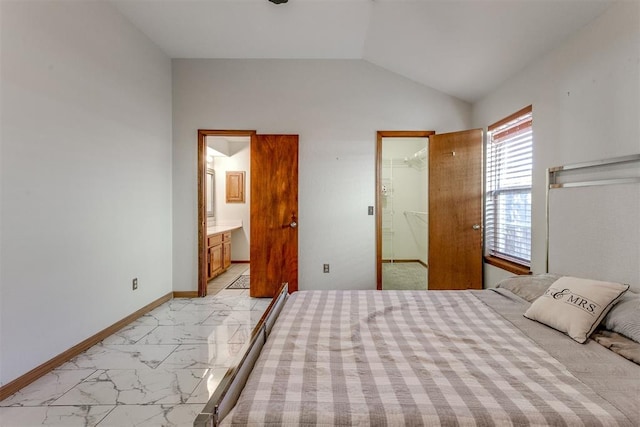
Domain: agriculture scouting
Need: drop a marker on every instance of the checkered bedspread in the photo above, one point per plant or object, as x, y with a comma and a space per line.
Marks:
404, 358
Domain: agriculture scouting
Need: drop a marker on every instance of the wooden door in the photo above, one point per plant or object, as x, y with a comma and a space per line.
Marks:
226, 252
455, 210
215, 260
274, 214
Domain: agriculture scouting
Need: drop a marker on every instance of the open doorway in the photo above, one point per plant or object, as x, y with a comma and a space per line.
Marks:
454, 207
271, 230
223, 205
401, 203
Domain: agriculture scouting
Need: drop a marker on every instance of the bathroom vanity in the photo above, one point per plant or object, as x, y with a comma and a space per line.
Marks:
219, 249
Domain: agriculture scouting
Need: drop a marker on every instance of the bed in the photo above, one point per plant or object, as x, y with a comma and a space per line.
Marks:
432, 358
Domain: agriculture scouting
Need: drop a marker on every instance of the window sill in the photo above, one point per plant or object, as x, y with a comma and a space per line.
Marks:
507, 265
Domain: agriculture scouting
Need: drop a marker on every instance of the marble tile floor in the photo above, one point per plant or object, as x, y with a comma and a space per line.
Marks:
157, 371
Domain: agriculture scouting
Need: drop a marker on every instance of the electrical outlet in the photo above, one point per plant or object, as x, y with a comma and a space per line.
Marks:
370, 210
325, 268
135, 283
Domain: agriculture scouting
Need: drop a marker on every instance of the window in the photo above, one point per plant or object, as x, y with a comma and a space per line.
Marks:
508, 196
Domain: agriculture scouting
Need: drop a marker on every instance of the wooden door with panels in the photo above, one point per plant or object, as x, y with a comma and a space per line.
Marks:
235, 186
226, 251
274, 214
455, 210
215, 251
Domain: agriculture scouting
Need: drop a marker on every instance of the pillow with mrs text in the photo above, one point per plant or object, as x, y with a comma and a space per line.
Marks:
575, 306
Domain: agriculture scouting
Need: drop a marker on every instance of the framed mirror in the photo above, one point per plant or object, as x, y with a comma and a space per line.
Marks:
210, 187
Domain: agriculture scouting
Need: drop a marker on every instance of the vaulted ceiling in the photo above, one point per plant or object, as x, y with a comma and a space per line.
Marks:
465, 48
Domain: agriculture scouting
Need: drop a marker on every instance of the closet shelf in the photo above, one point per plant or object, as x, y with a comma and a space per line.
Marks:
418, 160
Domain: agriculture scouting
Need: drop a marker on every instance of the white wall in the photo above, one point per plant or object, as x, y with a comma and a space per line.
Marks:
85, 175
336, 106
586, 105
240, 160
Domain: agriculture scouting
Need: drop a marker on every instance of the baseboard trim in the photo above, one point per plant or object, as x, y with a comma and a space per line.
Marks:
388, 261
240, 262
39, 371
402, 260
185, 294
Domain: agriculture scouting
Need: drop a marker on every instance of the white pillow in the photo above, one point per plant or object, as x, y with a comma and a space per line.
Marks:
575, 306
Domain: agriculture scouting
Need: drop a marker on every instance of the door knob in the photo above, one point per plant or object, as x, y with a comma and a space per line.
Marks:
476, 226
293, 224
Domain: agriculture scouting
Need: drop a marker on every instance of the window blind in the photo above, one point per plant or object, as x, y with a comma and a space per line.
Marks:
508, 183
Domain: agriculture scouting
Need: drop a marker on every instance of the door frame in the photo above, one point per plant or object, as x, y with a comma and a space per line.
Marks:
202, 205
379, 135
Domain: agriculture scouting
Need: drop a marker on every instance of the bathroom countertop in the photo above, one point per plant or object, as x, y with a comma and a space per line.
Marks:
215, 229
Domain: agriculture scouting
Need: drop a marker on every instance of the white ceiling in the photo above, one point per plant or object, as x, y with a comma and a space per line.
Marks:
464, 48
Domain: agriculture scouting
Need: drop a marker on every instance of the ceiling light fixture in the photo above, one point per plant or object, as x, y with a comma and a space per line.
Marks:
278, 1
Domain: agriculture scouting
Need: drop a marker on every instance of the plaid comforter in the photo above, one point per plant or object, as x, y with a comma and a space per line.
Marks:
404, 358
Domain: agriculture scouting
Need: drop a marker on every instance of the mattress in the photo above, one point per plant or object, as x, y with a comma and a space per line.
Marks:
429, 358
